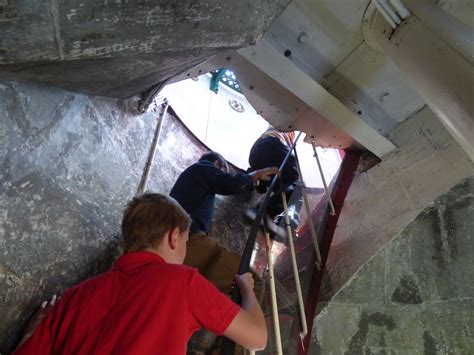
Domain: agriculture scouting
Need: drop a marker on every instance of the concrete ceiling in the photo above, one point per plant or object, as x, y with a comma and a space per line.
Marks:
461, 9
330, 33
335, 54
326, 42
312, 70
314, 63
120, 48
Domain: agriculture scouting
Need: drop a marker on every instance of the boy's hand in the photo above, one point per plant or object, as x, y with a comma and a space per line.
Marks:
37, 317
263, 174
245, 281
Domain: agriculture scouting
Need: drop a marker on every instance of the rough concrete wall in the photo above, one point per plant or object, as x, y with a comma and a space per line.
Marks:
416, 296
382, 201
68, 164
119, 48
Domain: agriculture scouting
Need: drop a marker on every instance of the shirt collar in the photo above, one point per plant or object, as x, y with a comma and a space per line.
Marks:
138, 257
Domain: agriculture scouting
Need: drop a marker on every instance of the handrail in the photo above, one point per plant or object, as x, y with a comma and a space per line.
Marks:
323, 179
309, 218
294, 263
273, 294
151, 154
228, 346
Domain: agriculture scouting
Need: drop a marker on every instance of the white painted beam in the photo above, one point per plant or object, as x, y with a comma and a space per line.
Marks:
284, 72
440, 74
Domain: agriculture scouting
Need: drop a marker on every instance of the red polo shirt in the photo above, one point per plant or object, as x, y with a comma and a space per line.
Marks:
141, 306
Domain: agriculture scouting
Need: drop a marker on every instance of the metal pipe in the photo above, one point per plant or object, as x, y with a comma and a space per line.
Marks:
273, 297
388, 8
310, 222
402, 10
384, 14
326, 190
294, 266
151, 155
261, 295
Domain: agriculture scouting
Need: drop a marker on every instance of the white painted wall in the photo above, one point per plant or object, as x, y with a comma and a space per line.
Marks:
215, 123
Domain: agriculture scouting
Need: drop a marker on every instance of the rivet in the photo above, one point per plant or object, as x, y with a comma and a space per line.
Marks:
303, 37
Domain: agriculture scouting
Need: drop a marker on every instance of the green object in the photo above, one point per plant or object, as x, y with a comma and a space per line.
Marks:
226, 77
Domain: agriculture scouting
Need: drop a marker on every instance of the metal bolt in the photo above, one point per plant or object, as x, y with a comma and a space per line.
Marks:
303, 37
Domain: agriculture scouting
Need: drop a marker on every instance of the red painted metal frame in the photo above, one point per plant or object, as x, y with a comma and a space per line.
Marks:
346, 174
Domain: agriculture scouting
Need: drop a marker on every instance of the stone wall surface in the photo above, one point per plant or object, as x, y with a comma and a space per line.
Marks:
415, 296
68, 164
386, 198
120, 48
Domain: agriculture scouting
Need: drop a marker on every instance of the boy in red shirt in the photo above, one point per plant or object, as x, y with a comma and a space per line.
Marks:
149, 302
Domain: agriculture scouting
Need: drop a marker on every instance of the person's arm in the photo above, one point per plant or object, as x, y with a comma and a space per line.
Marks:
213, 310
228, 184
248, 328
263, 174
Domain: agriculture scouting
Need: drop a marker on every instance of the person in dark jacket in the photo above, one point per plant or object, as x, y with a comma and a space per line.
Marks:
195, 190
270, 149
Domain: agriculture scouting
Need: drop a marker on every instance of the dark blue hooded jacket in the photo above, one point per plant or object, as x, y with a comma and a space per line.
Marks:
197, 186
